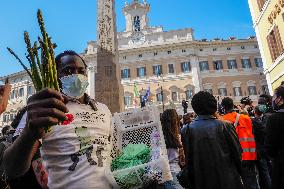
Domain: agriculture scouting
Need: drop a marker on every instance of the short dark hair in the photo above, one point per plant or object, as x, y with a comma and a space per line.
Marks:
65, 53
268, 98
227, 103
257, 111
204, 103
5, 129
279, 92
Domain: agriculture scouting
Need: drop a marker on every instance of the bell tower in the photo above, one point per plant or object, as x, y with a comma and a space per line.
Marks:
136, 15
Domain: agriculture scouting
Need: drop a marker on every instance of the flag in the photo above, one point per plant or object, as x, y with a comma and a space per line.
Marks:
136, 95
147, 95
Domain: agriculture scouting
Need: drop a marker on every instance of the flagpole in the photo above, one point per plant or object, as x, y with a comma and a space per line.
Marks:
162, 93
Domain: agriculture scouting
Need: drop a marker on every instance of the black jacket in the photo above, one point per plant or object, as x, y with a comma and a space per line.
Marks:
274, 143
213, 154
259, 131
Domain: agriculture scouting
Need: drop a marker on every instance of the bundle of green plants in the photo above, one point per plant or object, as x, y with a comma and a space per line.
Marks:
40, 55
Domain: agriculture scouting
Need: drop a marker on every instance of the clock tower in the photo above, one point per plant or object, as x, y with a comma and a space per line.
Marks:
136, 15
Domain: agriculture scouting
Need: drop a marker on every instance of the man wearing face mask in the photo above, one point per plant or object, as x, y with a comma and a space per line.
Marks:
75, 131
274, 140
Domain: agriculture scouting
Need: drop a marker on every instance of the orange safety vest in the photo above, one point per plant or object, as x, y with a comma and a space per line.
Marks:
243, 126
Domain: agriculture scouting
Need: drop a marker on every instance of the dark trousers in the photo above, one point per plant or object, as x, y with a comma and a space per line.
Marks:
262, 167
249, 175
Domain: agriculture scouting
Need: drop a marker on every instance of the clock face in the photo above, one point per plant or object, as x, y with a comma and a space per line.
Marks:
138, 38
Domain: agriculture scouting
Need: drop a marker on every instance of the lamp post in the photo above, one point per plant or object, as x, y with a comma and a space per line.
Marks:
162, 94
159, 74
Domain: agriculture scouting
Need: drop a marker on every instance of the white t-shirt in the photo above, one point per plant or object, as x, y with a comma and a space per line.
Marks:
77, 155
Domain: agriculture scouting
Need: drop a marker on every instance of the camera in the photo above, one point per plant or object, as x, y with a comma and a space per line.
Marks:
184, 104
246, 101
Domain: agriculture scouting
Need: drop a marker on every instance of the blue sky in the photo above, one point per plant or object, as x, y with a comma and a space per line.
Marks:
72, 23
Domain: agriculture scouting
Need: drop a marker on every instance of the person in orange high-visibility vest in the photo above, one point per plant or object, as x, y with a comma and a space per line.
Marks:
243, 126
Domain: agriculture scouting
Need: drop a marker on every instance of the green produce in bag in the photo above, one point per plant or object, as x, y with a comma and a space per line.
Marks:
132, 155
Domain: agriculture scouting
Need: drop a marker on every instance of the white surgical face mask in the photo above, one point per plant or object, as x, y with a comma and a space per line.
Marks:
74, 85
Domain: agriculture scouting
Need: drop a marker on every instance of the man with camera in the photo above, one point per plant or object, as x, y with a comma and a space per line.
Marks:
243, 126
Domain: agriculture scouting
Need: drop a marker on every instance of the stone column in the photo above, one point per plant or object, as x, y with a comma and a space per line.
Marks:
196, 77
108, 88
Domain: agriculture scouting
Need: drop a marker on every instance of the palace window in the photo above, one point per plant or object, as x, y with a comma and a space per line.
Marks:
125, 73
127, 100
222, 91
183, 50
12, 96
159, 97
258, 62
174, 96
261, 4
185, 67
21, 92
11, 117
209, 91
252, 90
4, 118
214, 49
171, 68
246, 64
229, 48
242, 47
237, 91
140, 55
204, 66
275, 43
141, 72
169, 52
218, 65
157, 70
30, 90
155, 53
265, 89
137, 23
189, 94
232, 64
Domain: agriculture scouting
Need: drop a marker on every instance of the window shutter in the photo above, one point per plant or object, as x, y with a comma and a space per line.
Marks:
189, 66
269, 41
122, 74
129, 73
229, 64
259, 4
145, 71
154, 70
182, 67
161, 70
278, 40
137, 69
249, 63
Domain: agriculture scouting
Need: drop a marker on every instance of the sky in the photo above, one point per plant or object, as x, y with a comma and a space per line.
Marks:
72, 23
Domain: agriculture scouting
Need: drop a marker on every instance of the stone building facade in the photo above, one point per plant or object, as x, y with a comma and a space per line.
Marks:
268, 22
177, 65
172, 64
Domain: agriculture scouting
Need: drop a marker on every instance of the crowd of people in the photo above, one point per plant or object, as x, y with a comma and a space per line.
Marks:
218, 146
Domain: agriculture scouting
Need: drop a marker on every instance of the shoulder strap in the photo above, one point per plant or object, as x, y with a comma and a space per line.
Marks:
237, 120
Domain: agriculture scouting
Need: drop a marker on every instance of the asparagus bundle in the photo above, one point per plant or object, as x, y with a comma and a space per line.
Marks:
40, 56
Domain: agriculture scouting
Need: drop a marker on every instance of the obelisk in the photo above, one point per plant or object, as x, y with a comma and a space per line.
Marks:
108, 89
